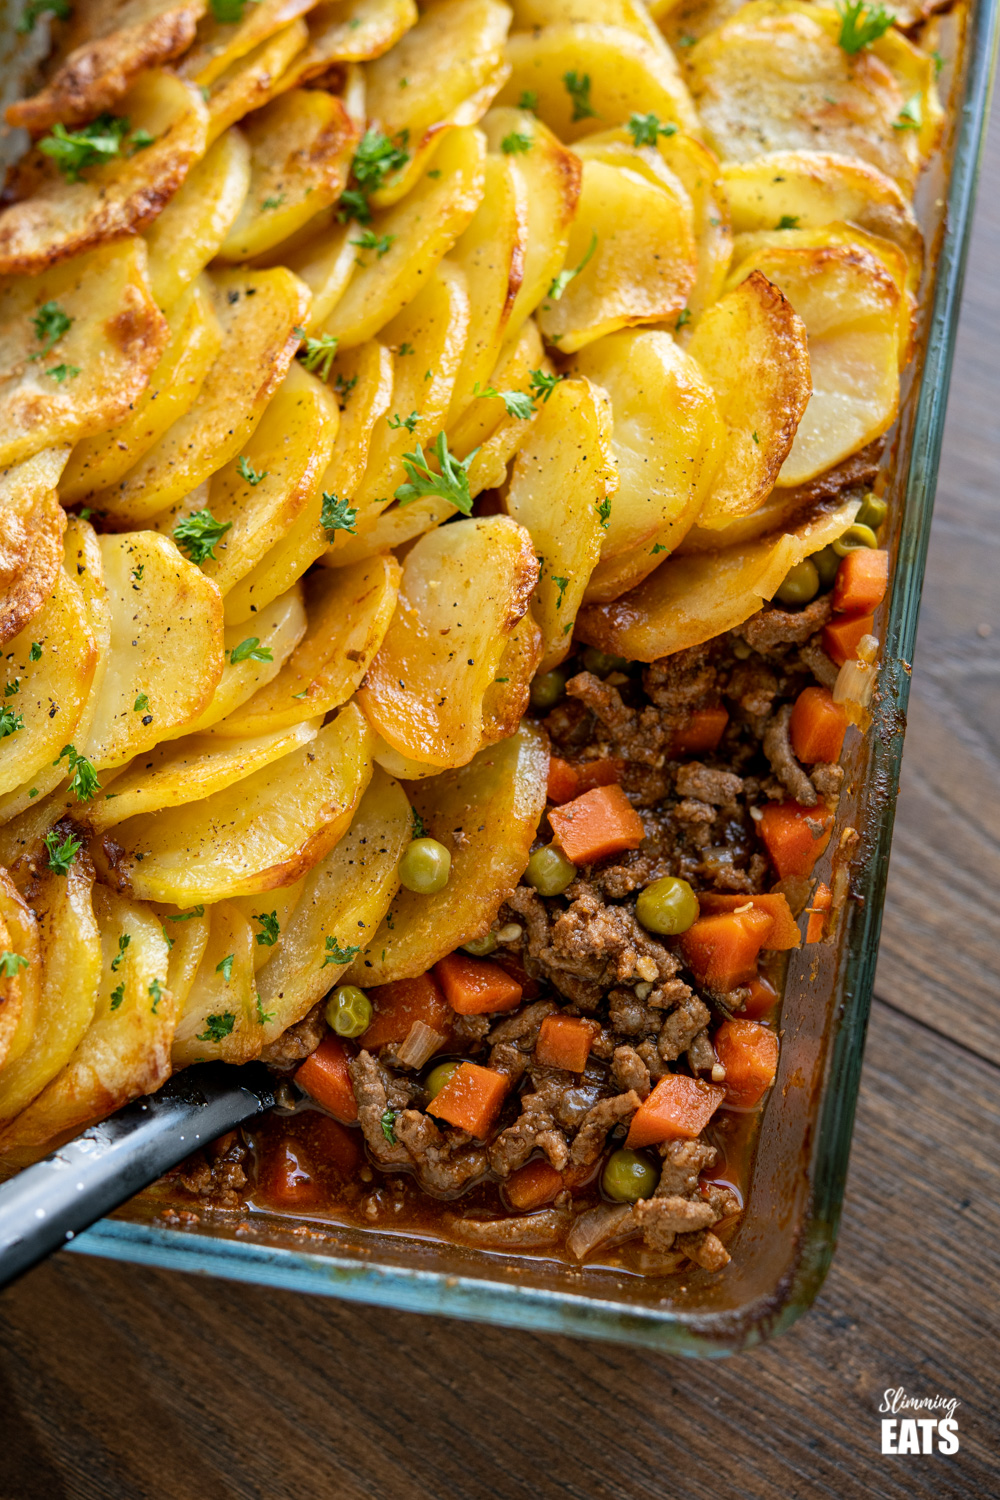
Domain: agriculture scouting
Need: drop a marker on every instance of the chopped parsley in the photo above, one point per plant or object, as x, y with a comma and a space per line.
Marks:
141, 704
263, 1016
409, 422
250, 650
49, 323
246, 471
380, 243
186, 916
217, 1027
274, 202
138, 572
198, 534
335, 954
452, 483
646, 129
10, 722
225, 968
604, 511
578, 88
683, 318
83, 782
562, 281
269, 929
419, 826
861, 24
788, 221
528, 100
317, 357
35, 654
337, 514
542, 385
388, 1122
517, 403
376, 158
61, 852
155, 993
117, 995
139, 141
911, 116
11, 963
35, 8
73, 151
60, 373
228, 12
755, 437
516, 144
123, 943
562, 584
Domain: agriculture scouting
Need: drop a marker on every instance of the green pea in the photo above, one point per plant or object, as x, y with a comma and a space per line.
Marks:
425, 867
801, 583
480, 947
826, 564
601, 663
547, 690
349, 1010
439, 1076
668, 906
549, 871
873, 511
854, 537
629, 1176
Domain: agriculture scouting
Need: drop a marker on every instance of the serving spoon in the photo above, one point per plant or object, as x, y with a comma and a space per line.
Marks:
48, 1204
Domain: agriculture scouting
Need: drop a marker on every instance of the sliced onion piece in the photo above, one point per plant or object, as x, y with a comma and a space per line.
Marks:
421, 1042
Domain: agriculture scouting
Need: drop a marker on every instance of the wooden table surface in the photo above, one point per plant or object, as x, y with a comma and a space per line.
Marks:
118, 1383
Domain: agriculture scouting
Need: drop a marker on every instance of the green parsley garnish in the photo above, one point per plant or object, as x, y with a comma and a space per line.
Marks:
73, 151
11, 963
35, 8
516, 144
335, 954
646, 129
683, 318
788, 221
564, 278
419, 826
198, 534
659, 547
275, 202
117, 995
140, 139
861, 24
10, 722
217, 1027
123, 943
228, 12
376, 157
562, 584
528, 100
337, 514
60, 373
155, 993
269, 929
138, 572
83, 782
578, 88
380, 243
61, 852
543, 385
35, 654
49, 323
246, 471
755, 437
517, 403
388, 1122
409, 422
317, 357
225, 968
12, 688
452, 483
186, 916
911, 116
141, 704
263, 1016
250, 650
604, 511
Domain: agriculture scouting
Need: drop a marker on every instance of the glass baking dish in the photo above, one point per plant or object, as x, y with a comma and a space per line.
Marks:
784, 1242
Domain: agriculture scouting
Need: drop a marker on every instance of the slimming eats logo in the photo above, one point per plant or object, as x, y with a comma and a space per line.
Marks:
918, 1434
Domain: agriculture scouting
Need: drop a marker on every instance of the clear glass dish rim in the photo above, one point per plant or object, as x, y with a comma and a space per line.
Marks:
710, 1334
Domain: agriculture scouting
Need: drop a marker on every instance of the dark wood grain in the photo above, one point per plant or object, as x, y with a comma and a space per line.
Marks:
120, 1384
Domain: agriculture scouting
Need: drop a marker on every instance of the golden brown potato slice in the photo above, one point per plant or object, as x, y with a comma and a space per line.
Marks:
105, 47
219, 1016
32, 523
689, 600
325, 262
49, 665
12, 985
521, 356
486, 814
263, 832
219, 44
186, 936
70, 947
249, 82
194, 223
627, 75
850, 306
667, 439
125, 1050
407, 241
188, 769
269, 915
445, 71
562, 488
290, 450
349, 611
259, 312
57, 216
344, 31
631, 15
166, 646
78, 344
344, 899
753, 349
506, 699
23, 991
632, 258
464, 588
301, 145
195, 340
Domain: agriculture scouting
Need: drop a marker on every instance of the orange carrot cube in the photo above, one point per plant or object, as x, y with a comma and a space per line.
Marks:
474, 986
793, 846
471, 1099
324, 1077
785, 932
841, 637
565, 1042
721, 950
397, 1005
678, 1109
749, 1054
598, 824
861, 581
532, 1185
817, 726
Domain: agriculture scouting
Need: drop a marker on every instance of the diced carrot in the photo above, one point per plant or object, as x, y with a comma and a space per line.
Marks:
793, 846
324, 1077
761, 1000
819, 911
330, 1143
678, 1109
564, 784
861, 582
599, 823
785, 932
721, 950
841, 637
397, 1005
532, 1185
474, 986
817, 726
749, 1054
285, 1178
532, 989
565, 1042
471, 1099
702, 731
569, 779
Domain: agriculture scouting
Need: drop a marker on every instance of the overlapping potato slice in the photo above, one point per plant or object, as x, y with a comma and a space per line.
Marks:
219, 44
627, 75
349, 610
263, 832
773, 78
258, 312
407, 241
690, 599
344, 31
21, 992
445, 71
506, 699
463, 590
325, 262
195, 340
632, 15
753, 349
632, 253
70, 964
47, 669
521, 357
301, 145
563, 483
32, 523
186, 934
125, 1050
549, 176
191, 768
86, 379
250, 81
11, 991
264, 911
166, 656
189, 231
54, 218
343, 901
290, 450
667, 441
486, 814
105, 47
219, 1016
850, 306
